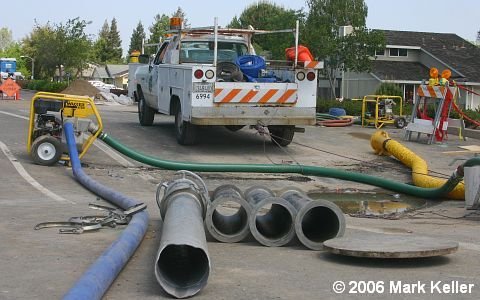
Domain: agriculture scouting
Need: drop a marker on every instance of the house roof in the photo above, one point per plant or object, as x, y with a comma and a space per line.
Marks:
399, 71
447, 47
100, 72
117, 70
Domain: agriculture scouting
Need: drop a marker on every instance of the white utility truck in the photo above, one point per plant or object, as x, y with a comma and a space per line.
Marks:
196, 77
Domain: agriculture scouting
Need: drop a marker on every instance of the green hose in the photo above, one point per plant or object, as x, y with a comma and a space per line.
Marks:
299, 169
472, 162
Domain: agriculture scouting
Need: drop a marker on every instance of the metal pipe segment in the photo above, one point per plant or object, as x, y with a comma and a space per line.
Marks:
317, 220
274, 227
182, 264
228, 228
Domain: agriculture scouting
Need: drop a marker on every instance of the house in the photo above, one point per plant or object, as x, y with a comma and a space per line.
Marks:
406, 61
112, 74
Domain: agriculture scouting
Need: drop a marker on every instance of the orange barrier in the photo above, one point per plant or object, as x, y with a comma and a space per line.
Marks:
304, 54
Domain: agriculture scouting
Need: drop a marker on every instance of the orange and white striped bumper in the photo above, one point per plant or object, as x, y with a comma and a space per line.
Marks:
313, 64
256, 93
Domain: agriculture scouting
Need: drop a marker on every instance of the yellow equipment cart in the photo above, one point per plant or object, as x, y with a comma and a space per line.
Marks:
46, 142
378, 110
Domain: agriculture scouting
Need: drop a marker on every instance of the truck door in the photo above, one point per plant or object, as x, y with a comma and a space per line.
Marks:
152, 93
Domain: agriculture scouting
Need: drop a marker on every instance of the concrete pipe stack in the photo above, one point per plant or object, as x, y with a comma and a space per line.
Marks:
273, 221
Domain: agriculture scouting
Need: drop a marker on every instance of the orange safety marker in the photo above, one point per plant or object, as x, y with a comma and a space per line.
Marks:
10, 88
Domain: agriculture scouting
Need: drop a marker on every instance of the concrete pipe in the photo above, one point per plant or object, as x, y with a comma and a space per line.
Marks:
182, 264
223, 226
272, 218
317, 220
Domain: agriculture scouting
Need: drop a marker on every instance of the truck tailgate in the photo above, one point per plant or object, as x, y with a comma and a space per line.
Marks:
256, 93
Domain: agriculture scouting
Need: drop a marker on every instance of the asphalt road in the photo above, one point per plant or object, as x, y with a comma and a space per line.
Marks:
44, 264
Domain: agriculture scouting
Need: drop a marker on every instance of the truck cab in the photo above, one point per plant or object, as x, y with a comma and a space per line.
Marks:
195, 76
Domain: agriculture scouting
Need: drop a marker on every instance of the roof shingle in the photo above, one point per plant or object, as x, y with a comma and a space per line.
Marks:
448, 47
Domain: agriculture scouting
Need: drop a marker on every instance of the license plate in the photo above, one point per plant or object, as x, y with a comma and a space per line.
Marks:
203, 87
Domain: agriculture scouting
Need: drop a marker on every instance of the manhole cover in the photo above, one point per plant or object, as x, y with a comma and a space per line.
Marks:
390, 246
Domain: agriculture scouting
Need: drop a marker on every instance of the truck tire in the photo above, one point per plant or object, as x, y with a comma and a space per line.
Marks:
146, 114
185, 132
234, 128
281, 135
46, 150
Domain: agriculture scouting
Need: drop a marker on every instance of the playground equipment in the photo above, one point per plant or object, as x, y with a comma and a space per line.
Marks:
378, 110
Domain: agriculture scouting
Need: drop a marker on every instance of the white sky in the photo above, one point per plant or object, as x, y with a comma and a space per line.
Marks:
460, 16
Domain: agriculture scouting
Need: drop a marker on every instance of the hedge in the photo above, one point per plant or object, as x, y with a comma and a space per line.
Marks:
44, 85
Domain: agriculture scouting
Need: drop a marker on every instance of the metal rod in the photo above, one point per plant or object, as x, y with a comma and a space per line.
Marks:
271, 220
228, 228
317, 220
297, 32
215, 50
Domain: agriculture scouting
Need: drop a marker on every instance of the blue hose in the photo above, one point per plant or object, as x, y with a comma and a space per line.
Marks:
96, 280
251, 65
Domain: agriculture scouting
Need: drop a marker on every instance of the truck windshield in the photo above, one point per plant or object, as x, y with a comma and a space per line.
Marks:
202, 51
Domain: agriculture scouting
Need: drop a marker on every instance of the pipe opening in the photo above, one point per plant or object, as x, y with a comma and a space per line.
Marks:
183, 266
320, 223
275, 223
230, 218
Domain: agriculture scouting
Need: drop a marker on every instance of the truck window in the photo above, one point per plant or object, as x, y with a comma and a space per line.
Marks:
160, 54
202, 51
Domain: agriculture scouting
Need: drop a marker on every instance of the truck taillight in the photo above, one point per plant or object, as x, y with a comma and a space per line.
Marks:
198, 74
209, 74
311, 76
300, 76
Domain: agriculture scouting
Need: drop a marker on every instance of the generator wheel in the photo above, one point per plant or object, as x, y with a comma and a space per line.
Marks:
282, 135
46, 150
400, 122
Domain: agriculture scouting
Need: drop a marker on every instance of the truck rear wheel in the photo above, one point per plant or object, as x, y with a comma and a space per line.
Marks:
185, 132
234, 128
281, 135
146, 114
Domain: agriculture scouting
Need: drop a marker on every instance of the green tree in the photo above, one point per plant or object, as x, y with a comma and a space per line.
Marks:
75, 45
269, 16
6, 39
349, 52
108, 46
100, 48
41, 44
157, 30
136, 41
60, 46
115, 43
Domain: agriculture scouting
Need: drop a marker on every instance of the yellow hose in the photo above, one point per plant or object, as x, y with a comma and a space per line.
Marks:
383, 145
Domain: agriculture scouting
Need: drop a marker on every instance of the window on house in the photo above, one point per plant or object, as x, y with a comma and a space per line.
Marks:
380, 52
398, 52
